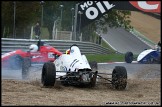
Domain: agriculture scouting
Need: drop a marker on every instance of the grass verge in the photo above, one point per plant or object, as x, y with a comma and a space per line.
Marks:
100, 58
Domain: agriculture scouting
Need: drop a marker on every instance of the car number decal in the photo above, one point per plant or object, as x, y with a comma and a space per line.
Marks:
50, 55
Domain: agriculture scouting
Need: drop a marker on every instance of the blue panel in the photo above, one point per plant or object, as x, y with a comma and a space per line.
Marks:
148, 57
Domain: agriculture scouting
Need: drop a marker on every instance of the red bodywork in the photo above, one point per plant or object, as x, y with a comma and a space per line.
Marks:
44, 54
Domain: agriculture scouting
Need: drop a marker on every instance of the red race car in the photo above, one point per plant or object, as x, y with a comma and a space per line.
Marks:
39, 53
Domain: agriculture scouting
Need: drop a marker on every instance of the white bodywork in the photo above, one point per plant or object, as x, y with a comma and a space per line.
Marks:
71, 62
143, 54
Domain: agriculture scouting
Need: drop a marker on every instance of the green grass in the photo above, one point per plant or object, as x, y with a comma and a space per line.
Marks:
106, 58
100, 58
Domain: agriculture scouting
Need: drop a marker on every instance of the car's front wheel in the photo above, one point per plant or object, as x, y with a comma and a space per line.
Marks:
48, 74
129, 57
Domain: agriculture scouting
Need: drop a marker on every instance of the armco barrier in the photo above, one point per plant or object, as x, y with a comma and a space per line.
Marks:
8, 45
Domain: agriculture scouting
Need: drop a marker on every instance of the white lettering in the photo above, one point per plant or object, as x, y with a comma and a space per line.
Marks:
93, 12
92, 16
89, 3
145, 5
108, 5
83, 6
100, 7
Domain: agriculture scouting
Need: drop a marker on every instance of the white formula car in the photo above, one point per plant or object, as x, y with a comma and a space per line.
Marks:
74, 69
148, 56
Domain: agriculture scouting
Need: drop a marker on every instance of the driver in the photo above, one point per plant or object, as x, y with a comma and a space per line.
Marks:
33, 48
68, 51
158, 47
40, 43
159, 44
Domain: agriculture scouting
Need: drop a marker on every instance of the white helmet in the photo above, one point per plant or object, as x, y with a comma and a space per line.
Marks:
33, 48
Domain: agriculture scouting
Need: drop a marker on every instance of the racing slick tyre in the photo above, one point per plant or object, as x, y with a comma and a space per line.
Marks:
119, 78
93, 65
15, 62
48, 74
129, 57
26, 63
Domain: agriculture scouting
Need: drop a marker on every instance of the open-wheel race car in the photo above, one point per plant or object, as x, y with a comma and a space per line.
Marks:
74, 69
38, 53
148, 56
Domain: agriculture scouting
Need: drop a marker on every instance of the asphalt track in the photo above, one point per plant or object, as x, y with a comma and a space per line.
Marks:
123, 41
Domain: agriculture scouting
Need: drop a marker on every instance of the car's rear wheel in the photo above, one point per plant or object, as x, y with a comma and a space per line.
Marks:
129, 57
48, 74
119, 78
